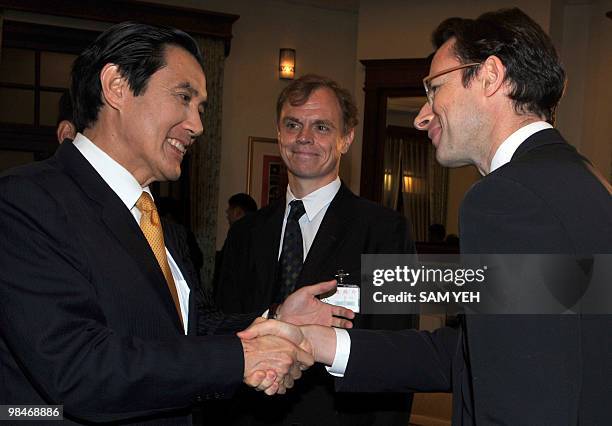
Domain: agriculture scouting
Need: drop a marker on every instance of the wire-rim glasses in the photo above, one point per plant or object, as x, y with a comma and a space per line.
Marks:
429, 92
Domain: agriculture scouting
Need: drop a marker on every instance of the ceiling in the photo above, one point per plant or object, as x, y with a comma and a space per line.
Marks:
342, 5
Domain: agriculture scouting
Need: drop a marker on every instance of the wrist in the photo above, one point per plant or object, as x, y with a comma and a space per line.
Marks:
274, 311
323, 342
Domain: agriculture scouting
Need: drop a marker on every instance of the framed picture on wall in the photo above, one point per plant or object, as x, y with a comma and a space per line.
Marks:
266, 172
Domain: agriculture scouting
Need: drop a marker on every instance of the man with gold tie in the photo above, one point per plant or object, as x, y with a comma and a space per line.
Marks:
99, 311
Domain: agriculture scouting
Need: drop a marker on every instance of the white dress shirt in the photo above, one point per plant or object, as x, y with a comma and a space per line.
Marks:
502, 156
129, 190
508, 147
315, 204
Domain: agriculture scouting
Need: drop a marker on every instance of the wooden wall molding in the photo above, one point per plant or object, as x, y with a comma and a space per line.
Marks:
384, 78
194, 21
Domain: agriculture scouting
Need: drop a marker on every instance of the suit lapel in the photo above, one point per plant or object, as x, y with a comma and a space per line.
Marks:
118, 220
333, 230
266, 260
175, 239
174, 243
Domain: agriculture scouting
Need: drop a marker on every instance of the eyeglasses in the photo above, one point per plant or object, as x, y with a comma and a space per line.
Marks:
427, 80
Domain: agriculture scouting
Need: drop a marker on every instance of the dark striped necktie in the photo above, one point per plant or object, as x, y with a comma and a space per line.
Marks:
292, 255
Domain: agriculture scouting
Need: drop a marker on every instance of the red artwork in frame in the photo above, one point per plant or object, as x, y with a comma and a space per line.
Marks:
274, 179
266, 173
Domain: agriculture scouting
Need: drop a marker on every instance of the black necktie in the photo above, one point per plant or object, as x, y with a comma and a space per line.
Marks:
292, 256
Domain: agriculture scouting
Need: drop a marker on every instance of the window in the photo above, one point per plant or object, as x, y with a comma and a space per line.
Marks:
35, 63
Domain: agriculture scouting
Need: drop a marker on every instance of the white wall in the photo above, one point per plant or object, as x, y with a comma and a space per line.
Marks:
596, 141
583, 35
585, 112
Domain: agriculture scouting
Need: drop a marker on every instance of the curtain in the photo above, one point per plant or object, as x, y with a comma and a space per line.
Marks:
1, 30
438, 184
206, 157
419, 185
415, 186
392, 172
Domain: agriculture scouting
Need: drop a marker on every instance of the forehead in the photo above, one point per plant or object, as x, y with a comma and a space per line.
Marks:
321, 102
444, 58
182, 69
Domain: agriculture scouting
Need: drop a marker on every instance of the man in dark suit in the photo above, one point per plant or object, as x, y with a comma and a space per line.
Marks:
492, 91
95, 303
316, 121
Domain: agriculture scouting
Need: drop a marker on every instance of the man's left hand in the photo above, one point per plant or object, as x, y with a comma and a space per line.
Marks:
302, 307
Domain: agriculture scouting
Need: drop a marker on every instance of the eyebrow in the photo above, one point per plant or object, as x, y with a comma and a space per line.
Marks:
316, 122
326, 122
187, 86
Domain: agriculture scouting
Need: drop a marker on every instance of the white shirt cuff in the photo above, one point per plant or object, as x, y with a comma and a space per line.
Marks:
343, 350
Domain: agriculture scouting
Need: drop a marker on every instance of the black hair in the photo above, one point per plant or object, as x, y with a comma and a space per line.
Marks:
244, 201
137, 49
532, 65
436, 232
298, 92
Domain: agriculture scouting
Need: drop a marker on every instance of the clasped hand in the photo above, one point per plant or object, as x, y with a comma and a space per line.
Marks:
276, 353
274, 360
308, 344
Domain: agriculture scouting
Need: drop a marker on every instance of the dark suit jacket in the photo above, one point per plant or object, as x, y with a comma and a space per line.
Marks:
248, 281
351, 226
514, 370
86, 317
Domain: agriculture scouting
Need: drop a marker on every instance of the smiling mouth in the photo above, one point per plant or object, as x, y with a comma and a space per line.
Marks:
178, 145
433, 134
305, 153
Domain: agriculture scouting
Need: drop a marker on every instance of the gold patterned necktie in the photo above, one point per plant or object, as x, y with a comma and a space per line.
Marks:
152, 230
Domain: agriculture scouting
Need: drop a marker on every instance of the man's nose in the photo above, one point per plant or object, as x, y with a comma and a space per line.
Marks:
193, 123
423, 119
305, 135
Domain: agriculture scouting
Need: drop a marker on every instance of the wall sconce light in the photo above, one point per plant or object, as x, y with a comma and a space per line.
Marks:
387, 180
413, 184
286, 64
409, 184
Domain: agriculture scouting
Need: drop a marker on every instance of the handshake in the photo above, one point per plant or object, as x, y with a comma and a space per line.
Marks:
277, 351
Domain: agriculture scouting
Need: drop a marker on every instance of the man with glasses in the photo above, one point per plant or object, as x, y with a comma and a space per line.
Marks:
493, 88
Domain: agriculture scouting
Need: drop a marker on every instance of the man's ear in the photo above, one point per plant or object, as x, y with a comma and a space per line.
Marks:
114, 86
65, 130
493, 73
347, 140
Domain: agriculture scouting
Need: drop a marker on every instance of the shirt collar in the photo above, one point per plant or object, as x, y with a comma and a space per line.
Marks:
506, 150
316, 200
114, 174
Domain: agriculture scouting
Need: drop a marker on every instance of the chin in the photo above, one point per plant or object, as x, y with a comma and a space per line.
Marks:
172, 176
446, 162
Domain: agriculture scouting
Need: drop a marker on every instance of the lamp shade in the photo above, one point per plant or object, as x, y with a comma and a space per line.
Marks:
286, 64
